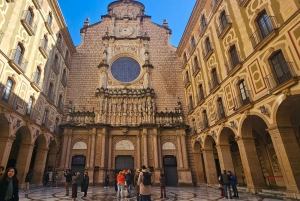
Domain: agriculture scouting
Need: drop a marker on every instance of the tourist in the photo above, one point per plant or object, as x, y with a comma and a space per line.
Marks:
75, 180
27, 183
233, 183
162, 181
85, 184
46, 179
137, 187
120, 184
221, 187
145, 184
9, 185
56, 179
68, 176
106, 180
128, 179
225, 181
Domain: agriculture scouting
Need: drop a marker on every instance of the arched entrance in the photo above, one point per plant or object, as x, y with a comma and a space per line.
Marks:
211, 160
170, 167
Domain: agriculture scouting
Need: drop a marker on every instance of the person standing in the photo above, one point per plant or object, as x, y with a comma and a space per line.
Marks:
128, 179
46, 179
144, 182
221, 186
56, 179
106, 180
162, 181
9, 185
75, 180
85, 184
225, 181
136, 186
233, 183
27, 183
120, 184
68, 176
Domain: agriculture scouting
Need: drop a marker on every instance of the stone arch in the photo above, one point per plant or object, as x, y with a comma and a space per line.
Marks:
124, 145
4, 126
247, 120
198, 161
208, 142
168, 146
80, 145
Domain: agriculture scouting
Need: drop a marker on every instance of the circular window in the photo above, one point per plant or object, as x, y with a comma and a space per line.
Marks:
125, 69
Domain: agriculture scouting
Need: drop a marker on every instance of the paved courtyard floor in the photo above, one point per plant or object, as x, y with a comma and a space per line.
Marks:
109, 194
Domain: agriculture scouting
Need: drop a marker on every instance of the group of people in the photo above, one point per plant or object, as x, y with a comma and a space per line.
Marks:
227, 180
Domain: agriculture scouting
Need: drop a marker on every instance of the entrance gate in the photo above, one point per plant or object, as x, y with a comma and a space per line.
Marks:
124, 163
171, 174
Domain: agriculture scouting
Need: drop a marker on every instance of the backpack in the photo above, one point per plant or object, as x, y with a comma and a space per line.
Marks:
146, 178
225, 179
128, 178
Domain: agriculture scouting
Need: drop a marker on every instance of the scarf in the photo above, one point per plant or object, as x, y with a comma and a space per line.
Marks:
10, 189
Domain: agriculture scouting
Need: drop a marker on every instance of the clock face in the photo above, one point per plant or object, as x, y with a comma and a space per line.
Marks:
126, 31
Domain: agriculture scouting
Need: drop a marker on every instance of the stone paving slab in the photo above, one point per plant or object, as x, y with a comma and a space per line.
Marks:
109, 194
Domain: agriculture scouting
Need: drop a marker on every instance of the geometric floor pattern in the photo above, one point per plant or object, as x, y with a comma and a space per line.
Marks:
109, 194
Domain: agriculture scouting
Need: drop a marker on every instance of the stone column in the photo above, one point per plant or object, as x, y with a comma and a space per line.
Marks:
184, 151
23, 161
103, 166
68, 152
159, 151
156, 165
109, 165
64, 146
210, 166
253, 173
287, 151
138, 147
39, 166
225, 157
179, 154
5, 148
92, 156
199, 167
145, 143
88, 157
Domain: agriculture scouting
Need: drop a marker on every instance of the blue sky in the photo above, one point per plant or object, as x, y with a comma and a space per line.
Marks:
177, 13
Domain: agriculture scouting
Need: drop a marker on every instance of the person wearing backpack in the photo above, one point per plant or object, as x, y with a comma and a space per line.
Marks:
225, 181
144, 182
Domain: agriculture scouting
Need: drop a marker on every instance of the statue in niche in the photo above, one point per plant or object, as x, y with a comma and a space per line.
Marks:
147, 81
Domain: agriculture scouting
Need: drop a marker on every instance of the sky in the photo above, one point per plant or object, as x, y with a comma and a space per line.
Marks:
176, 12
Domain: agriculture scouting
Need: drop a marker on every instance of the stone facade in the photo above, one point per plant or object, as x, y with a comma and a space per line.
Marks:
241, 71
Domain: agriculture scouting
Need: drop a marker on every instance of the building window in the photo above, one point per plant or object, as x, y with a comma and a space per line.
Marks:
207, 45
185, 57
55, 63
196, 64
193, 42
29, 106
214, 77
190, 103
234, 56
201, 92
37, 75
45, 117
50, 90
45, 42
7, 90
244, 92
281, 68
264, 24
29, 17
56, 126
50, 19
59, 39
67, 56
221, 108
19, 54
203, 22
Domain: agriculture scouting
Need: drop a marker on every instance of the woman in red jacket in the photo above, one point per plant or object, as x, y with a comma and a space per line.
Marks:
121, 182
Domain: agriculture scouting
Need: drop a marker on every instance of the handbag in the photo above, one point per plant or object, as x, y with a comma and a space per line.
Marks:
221, 186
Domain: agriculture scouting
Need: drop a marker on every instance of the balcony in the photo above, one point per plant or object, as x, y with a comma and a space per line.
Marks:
49, 26
214, 83
17, 61
43, 48
190, 107
202, 30
200, 98
224, 27
215, 5
243, 3
1, 36
59, 46
61, 106
281, 78
56, 68
64, 80
38, 3
196, 69
220, 115
8, 97
187, 82
262, 36
51, 96
243, 101
36, 82
32, 113
233, 64
47, 123
28, 23
207, 53
204, 124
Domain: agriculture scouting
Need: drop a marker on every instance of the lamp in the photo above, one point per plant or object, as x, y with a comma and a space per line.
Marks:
232, 124
263, 110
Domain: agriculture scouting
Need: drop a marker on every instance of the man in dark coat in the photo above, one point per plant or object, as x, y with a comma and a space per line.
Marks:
106, 180
68, 176
85, 184
46, 179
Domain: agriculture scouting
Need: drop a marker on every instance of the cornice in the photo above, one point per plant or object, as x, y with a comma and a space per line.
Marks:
62, 25
190, 25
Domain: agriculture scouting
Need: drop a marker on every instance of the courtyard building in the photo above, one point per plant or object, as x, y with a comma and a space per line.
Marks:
240, 66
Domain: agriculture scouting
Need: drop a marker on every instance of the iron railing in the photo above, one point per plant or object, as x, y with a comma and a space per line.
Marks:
36, 79
56, 67
29, 20
187, 81
51, 95
204, 124
44, 46
9, 97
220, 114
266, 29
200, 96
280, 76
214, 82
17, 57
31, 112
206, 51
234, 60
47, 123
242, 99
190, 107
195, 68
223, 24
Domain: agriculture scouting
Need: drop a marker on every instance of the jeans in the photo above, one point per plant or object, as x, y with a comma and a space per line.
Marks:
129, 189
145, 197
138, 197
235, 192
120, 190
227, 188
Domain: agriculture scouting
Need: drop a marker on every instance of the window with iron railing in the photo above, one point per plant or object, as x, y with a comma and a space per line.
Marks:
6, 91
27, 20
29, 106
221, 111
196, 65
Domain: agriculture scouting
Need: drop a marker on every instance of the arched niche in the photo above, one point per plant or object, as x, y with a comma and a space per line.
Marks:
124, 145
80, 145
168, 146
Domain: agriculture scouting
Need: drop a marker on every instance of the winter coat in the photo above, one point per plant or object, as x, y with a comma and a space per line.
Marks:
233, 181
85, 183
68, 177
3, 187
144, 190
136, 186
75, 179
121, 179
162, 181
